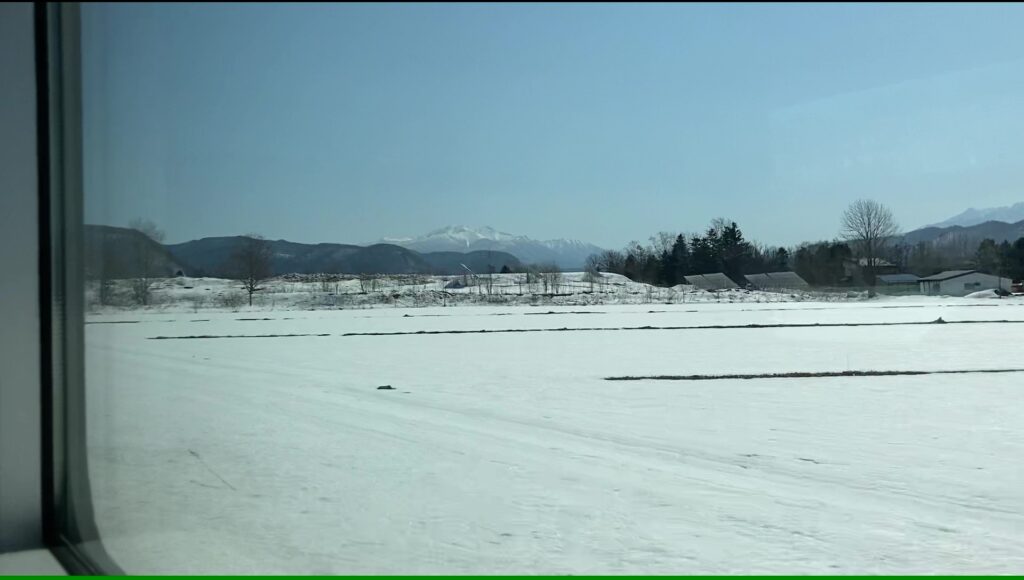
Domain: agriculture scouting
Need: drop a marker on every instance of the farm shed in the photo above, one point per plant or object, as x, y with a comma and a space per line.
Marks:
961, 283
777, 281
716, 281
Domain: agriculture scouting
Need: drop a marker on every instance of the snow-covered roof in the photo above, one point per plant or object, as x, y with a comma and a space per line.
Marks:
716, 281
898, 278
948, 274
788, 280
759, 280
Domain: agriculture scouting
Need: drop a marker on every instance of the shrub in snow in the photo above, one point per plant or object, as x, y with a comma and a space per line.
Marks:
231, 300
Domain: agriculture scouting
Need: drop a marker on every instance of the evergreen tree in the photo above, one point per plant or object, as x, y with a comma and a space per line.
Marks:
733, 250
631, 268
703, 254
668, 270
821, 263
1006, 259
1014, 261
987, 258
681, 258
780, 260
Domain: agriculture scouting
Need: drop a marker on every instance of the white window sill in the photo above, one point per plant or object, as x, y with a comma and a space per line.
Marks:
30, 563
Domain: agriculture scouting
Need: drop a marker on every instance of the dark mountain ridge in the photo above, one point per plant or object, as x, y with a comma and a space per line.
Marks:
966, 235
212, 256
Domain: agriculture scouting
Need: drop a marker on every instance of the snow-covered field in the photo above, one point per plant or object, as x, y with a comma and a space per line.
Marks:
510, 452
312, 292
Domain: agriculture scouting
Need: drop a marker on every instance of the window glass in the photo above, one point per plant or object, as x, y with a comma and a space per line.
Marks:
549, 288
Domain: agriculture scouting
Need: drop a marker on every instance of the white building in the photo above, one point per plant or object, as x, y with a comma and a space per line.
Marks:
961, 283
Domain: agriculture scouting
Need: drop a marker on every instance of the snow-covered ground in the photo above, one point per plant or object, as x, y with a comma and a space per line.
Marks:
328, 292
510, 452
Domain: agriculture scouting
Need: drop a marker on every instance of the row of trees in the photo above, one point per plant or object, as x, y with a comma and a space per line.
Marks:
669, 257
147, 257
822, 263
1005, 259
143, 260
926, 258
867, 229
868, 241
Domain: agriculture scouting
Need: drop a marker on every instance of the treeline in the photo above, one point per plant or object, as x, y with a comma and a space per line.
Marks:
1005, 259
668, 257
823, 263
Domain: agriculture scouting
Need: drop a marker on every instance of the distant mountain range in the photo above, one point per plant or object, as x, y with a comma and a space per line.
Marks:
973, 216
119, 249
567, 254
967, 236
962, 233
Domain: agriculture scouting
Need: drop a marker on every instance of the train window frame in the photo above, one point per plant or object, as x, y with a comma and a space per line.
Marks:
20, 352
69, 527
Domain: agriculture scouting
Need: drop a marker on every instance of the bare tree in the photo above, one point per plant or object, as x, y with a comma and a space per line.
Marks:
592, 270
489, 281
611, 261
99, 270
532, 275
325, 282
251, 263
365, 283
550, 276
869, 227
556, 279
490, 273
662, 242
146, 254
106, 286
198, 301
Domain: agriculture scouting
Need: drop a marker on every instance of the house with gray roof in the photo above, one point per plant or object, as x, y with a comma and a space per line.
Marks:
961, 283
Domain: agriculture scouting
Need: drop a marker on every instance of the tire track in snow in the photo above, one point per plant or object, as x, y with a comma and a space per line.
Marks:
200, 336
806, 375
690, 327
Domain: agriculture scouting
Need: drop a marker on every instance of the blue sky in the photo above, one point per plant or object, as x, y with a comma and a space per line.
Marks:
606, 123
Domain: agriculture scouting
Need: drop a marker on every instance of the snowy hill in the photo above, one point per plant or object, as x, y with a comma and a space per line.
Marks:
568, 254
974, 216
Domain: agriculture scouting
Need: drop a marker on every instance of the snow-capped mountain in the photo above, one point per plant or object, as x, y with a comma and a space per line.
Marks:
1010, 214
454, 238
568, 254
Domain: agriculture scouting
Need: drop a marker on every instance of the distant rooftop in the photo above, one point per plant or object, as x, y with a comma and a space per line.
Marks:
946, 275
788, 280
716, 281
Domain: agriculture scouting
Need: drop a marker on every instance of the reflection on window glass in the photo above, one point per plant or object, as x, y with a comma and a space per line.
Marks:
554, 288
